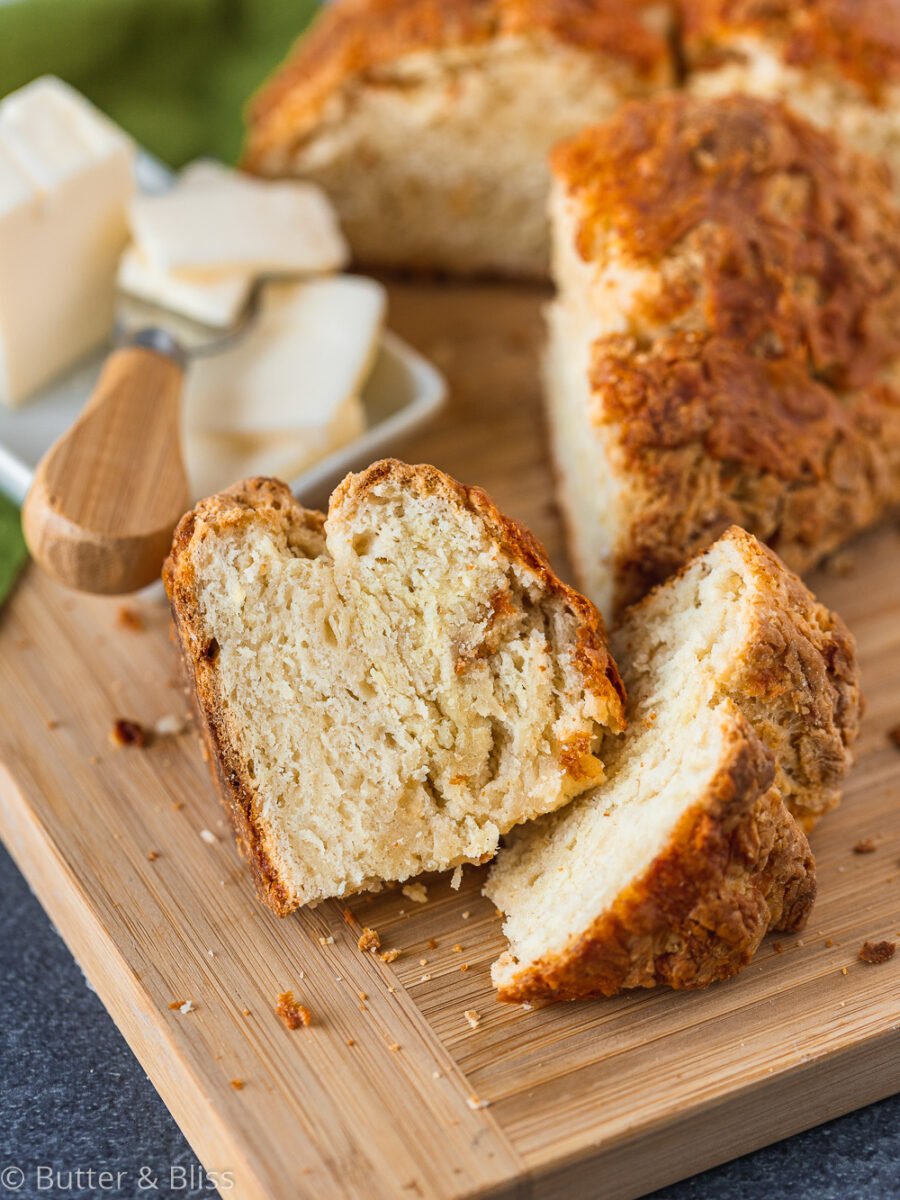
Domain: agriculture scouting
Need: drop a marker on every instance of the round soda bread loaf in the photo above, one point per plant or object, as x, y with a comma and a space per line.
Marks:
388, 690
725, 343
428, 122
836, 62
743, 707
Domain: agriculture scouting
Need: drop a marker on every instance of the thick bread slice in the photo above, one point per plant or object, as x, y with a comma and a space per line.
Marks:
725, 345
835, 63
428, 122
388, 691
743, 704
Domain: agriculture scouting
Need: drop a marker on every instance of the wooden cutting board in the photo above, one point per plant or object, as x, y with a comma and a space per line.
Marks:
390, 1092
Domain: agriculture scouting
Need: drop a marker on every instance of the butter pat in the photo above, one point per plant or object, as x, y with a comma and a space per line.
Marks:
311, 347
216, 460
66, 181
217, 300
216, 221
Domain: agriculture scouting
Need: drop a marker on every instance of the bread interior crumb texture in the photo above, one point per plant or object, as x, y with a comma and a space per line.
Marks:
558, 875
455, 149
400, 690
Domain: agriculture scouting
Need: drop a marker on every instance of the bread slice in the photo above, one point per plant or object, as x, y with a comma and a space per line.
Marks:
743, 704
725, 344
836, 64
388, 691
428, 122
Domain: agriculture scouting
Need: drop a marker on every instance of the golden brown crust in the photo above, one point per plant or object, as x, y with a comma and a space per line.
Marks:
736, 866
858, 38
779, 408
798, 684
354, 39
271, 502
249, 501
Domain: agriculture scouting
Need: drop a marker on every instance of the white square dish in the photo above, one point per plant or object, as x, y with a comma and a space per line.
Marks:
403, 392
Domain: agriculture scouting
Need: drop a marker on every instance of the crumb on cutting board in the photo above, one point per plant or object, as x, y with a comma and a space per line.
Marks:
417, 892
865, 845
127, 618
369, 941
876, 953
389, 956
128, 733
293, 1014
237, 1084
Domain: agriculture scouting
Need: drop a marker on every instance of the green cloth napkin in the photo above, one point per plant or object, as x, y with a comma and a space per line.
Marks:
13, 554
175, 73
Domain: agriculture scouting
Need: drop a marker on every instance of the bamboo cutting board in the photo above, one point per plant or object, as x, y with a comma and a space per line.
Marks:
395, 1094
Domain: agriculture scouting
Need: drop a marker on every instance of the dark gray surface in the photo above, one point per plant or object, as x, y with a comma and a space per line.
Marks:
74, 1097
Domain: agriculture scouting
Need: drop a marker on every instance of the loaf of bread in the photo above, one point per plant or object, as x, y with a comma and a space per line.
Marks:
743, 706
836, 62
428, 122
387, 691
725, 344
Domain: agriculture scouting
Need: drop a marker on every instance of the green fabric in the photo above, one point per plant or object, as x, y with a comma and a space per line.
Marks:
175, 73
13, 554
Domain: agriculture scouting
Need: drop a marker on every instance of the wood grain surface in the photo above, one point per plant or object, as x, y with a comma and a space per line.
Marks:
391, 1092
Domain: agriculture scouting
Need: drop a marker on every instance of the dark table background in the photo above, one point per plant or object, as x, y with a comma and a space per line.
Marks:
72, 1096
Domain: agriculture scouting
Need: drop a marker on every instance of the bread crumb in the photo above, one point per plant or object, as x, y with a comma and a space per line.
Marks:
187, 1007
348, 916
169, 726
128, 733
778, 948
841, 564
351, 1042
473, 1017
152, 855
208, 836
175, 1004
865, 846
417, 892
432, 943
464, 966
527, 1007
423, 962
326, 941
843, 970
237, 1084
456, 879
53, 723
457, 949
363, 995
876, 953
294, 1015
425, 978
369, 941
127, 618
466, 915
394, 1047
829, 942
389, 956
474, 1103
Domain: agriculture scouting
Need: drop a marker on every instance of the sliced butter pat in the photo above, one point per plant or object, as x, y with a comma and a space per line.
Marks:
217, 301
215, 220
312, 345
216, 460
66, 180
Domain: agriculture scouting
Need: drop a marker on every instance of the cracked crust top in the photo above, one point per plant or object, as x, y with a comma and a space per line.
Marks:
858, 38
762, 386
359, 38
